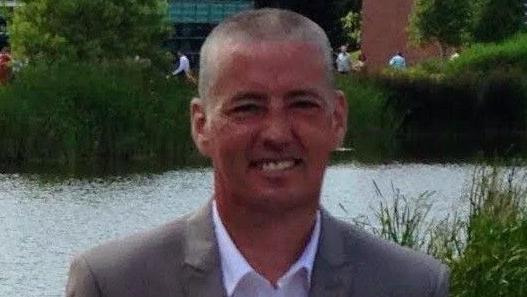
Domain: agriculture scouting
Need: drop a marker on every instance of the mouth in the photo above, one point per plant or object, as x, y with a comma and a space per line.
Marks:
276, 165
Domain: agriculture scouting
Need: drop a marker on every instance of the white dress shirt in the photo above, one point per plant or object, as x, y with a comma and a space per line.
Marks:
184, 65
241, 280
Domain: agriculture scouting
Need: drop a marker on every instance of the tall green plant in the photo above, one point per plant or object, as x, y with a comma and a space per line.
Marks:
75, 113
493, 262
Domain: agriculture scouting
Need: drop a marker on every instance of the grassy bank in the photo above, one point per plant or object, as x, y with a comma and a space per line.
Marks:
485, 249
84, 116
483, 91
73, 115
81, 113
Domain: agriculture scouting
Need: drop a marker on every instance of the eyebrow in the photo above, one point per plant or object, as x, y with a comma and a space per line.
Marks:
248, 95
304, 92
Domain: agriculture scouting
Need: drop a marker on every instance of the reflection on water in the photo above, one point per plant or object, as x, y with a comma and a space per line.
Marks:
44, 223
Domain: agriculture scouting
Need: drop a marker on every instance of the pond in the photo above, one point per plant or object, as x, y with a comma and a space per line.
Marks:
45, 221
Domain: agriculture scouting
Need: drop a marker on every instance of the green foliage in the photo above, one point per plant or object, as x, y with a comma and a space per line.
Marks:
465, 104
484, 58
368, 107
403, 220
482, 92
440, 21
87, 30
94, 113
493, 262
496, 20
351, 24
486, 250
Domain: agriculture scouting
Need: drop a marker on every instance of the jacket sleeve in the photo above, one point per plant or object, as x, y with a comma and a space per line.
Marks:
81, 281
442, 285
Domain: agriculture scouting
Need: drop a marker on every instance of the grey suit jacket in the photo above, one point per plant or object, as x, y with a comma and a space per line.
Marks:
182, 259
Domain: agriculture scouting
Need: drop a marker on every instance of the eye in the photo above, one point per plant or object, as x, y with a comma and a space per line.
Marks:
246, 108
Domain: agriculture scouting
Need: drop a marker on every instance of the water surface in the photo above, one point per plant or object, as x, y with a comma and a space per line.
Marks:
44, 222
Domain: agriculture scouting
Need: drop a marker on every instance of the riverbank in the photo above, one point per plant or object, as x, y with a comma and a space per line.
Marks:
104, 117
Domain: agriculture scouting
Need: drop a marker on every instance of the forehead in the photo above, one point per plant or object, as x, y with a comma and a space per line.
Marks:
268, 66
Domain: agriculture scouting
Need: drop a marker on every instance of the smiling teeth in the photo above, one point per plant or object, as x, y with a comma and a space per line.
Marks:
272, 166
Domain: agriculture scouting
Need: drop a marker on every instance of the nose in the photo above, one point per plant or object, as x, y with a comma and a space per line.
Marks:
277, 133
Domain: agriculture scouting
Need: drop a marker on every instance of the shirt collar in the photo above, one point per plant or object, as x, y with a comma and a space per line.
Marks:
234, 266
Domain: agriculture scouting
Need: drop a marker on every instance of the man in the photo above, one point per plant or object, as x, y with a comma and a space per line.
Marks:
268, 116
398, 62
184, 68
343, 61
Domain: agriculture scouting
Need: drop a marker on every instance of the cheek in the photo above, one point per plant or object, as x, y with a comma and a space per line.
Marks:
316, 134
230, 140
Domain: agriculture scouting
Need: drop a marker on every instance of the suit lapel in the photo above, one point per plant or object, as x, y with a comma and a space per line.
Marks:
332, 269
202, 261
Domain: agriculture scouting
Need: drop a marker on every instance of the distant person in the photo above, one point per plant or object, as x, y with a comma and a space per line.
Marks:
5, 65
343, 60
184, 68
398, 61
359, 66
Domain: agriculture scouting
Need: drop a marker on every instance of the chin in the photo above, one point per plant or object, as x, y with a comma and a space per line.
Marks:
281, 201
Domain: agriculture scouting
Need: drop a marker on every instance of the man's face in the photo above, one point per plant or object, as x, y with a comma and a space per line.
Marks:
269, 124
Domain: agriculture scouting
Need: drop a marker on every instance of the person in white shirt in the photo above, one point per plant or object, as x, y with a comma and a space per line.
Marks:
343, 61
398, 61
184, 68
268, 116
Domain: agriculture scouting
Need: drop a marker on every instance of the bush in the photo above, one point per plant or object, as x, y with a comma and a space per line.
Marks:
495, 103
372, 123
368, 106
70, 113
484, 91
485, 58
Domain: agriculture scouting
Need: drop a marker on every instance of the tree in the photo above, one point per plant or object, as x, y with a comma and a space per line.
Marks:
351, 24
443, 22
88, 30
495, 20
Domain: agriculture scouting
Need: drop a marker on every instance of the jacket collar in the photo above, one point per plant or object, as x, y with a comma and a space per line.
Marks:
202, 261
331, 275
333, 267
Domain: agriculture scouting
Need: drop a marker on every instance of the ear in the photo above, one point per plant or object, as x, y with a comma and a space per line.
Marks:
198, 122
340, 118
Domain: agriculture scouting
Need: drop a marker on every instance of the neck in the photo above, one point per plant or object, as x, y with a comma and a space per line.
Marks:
270, 242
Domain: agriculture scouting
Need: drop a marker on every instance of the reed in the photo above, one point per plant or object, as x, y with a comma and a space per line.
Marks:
72, 113
486, 248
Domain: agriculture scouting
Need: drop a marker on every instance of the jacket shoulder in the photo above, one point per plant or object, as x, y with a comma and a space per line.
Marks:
132, 266
396, 269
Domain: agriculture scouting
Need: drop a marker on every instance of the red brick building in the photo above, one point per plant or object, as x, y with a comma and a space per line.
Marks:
384, 32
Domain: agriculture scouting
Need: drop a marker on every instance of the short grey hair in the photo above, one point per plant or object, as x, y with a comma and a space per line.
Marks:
268, 24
